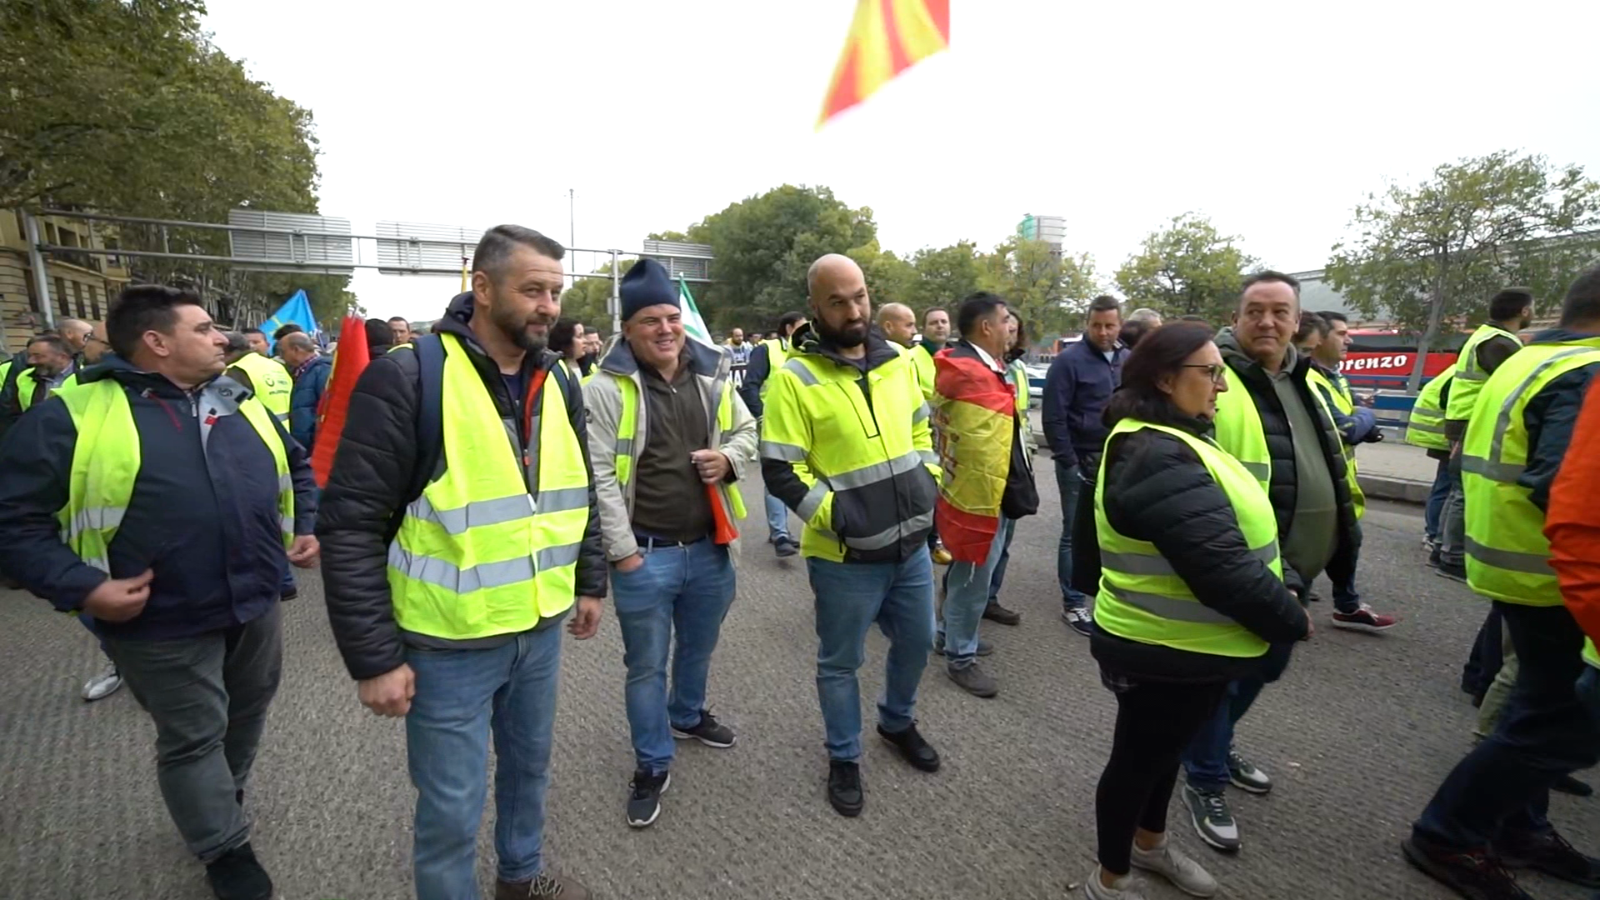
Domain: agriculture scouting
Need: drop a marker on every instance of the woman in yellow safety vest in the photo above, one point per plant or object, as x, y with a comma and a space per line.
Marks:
1191, 594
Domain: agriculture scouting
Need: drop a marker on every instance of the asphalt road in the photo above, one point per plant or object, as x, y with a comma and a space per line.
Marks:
1357, 735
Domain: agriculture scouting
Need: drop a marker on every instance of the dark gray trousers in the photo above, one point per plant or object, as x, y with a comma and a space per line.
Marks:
208, 696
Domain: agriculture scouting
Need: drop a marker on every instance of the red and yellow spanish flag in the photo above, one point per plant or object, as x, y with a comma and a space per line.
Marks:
350, 358
886, 38
974, 413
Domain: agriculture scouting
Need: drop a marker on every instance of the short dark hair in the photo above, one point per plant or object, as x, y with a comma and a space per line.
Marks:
933, 309
252, 330
1160, 352
286, 330
1019, 349
976, 307
788, 320
1270, 276
53, 341
394, 319
142, 308
1582, 303
1132, 331
1509, 303
1309, 322
1332, 315
1103, 303
493, 252
379, 335
1194, 318
562, 334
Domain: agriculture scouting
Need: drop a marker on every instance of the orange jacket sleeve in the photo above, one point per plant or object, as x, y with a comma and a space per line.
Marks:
1572, 522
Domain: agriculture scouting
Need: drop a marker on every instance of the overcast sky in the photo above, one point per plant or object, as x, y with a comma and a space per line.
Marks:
1273, 119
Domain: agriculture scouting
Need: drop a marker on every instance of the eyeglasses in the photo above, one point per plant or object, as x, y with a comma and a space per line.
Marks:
1215, 370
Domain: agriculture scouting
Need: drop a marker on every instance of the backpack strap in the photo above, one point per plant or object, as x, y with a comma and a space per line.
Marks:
430, 412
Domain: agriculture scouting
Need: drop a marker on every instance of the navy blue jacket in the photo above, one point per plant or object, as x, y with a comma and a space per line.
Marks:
1550, 418
204, 511
1076, 391
304, 398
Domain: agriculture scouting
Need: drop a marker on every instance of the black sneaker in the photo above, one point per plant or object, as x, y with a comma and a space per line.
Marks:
912, 747
1079, 620
709, 732
1212, 818
1566, 784
844, 788
998, 614
644, 801
1245, 776
236, 875
1549, 852
1477, 875
785, 546
1454, 572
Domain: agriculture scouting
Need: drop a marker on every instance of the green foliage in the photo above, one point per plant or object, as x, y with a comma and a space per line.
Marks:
890, 279
1047, 290
1437, 251
945, 275
1186, 268
586, 299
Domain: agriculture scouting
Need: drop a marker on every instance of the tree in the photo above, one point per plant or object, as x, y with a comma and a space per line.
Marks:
588, 298
1187, 268
946, 275
764, 244
1440, 249
890, 279
1045, 288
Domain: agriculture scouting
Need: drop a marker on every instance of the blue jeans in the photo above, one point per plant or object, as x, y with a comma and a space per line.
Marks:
1205, 760
849, 598
683, 589
967, 587
999, 567
1435, 508
1346, 598
777, 518
1069, 483
1501, 788
461, 695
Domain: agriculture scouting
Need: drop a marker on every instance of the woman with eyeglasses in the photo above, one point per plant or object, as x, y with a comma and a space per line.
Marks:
1191, 594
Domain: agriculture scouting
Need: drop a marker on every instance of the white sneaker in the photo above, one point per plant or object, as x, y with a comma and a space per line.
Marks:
1184, 873
103, 685
1126, 888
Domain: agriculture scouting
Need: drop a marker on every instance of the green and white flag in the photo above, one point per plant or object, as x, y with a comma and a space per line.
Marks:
693, 324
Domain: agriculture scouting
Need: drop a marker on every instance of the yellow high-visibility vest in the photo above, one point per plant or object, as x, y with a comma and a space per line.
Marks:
271, 381
1142, 599
106, 461
1339, 394
1508, 556
629, 443
1469, 375
1425, 427
26, 383
477, 555
777, 355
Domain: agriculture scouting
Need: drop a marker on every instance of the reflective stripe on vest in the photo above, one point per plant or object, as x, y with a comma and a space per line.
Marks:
630, 443
1508, 556
777, 355
1018, 376
1239, 430
1470, 377
26, 385
1346, 406
106, 460
858, 455
1142, 599
271, 381
1425, 427
477, 555
1590, 654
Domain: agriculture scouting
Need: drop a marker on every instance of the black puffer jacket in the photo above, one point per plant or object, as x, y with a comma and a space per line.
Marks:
1283, 488
372, 481
1158, 490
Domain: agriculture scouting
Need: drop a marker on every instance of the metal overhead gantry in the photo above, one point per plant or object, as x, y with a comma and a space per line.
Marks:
265, 241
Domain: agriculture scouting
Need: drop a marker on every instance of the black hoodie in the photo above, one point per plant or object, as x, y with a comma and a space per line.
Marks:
373, 480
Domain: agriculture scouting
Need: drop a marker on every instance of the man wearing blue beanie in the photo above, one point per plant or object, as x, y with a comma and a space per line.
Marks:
670, 439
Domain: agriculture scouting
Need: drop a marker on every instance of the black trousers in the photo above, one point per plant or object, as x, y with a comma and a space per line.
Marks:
1154, 723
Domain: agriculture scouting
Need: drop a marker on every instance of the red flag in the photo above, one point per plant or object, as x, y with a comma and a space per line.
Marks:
886, 38
349, 359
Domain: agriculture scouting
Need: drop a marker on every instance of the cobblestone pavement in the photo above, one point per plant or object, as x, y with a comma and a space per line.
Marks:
1357, 735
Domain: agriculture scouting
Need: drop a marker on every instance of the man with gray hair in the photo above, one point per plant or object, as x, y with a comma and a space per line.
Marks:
461, 529
310, 370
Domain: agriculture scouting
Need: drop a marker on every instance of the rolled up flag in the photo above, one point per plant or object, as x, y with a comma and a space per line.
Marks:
350, 358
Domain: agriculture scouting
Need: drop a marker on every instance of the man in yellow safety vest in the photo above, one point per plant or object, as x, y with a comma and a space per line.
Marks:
765, 361
461, 530
158, 497
1489, 815
51, 365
